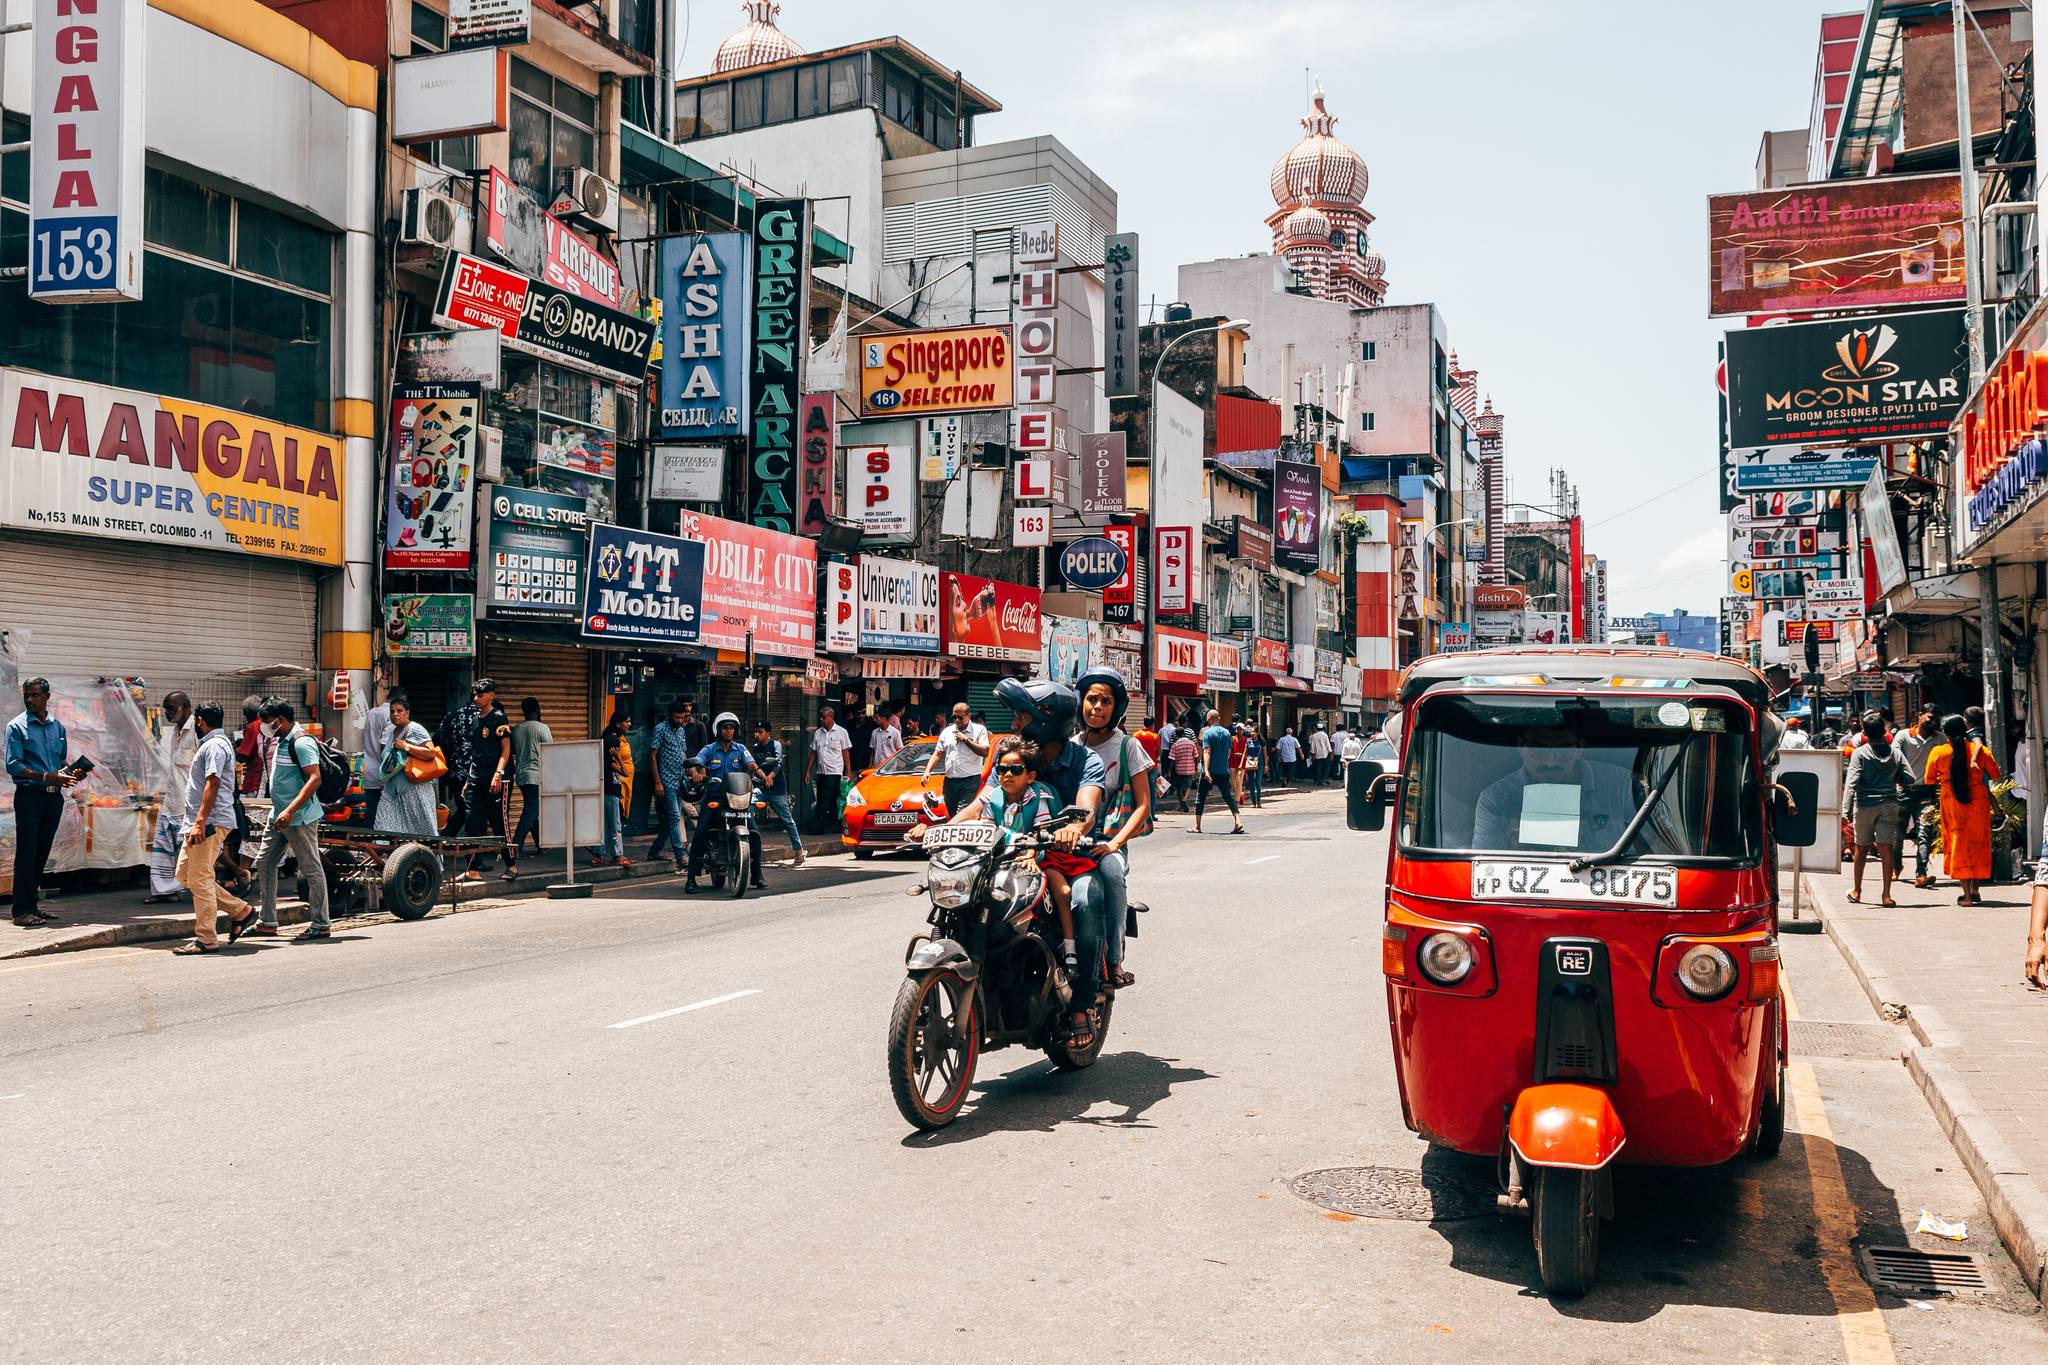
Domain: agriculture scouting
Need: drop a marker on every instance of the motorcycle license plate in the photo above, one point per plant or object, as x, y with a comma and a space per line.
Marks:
893, 819
1654, 886
961, 836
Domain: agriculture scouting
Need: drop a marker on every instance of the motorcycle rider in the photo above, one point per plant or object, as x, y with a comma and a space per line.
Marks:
723, 755
1044, 712
1128, 808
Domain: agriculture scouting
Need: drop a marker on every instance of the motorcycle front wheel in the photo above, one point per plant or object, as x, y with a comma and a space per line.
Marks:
735, 859
933, 1046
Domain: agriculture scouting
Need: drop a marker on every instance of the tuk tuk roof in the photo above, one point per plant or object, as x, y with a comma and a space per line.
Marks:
1573, 666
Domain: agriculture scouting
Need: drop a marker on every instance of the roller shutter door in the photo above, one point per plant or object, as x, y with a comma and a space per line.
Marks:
183, 619
558, 676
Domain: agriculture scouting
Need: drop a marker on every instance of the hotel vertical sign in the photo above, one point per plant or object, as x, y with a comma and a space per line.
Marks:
86, 151
781, 336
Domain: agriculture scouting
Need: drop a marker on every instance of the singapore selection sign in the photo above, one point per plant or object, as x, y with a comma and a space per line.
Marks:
1845, 381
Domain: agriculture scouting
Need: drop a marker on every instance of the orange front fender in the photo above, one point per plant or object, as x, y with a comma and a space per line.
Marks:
1572, 1126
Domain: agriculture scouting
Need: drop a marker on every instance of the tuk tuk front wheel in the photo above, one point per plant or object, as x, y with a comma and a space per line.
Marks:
1565, 1222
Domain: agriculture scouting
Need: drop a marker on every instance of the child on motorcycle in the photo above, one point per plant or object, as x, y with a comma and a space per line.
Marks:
1021, 800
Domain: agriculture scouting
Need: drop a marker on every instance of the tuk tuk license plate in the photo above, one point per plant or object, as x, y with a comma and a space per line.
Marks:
1657, 886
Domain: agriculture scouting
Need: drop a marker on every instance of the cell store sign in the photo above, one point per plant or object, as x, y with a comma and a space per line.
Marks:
642, 587
86, 151
704, 315
534, 551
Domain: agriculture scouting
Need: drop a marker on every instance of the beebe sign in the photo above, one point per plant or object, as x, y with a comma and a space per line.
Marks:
85, 151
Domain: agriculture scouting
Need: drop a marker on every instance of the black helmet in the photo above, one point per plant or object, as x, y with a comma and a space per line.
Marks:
1114, 682
1051, 707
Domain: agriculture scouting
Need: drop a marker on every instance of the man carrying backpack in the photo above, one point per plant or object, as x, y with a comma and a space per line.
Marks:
295, 812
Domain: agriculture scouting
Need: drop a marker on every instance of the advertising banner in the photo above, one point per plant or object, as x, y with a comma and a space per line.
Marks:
470, 353
817, 472
987, 619
642, 587
1496, 627
1123, 592
842, 607
781, 289
1297, 507
1883, 531
1769, 468
542, 320
687, 474
1254, 543
1845, 381
429, 509
1102, 471
489, 23
703, 282
881, 483
92, 460
1120, 315
86, 146
534, 543
956, 369
1222, 660
1172, 547
940, 443
430, 625
2000, 465
1269, 656
1179, 656
1880, 242
1455, 637
518, 231
759, 580
899, 605
1329, 671
1063, 642
1092, 563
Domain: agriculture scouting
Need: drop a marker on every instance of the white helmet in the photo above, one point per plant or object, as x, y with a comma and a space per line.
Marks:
723, 717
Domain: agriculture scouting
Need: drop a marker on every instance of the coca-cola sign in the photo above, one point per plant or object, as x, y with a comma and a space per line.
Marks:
985, 618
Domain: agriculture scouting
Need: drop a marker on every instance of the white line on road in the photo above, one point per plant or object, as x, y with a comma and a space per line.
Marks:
1254, 862
21, 1094
683, 1009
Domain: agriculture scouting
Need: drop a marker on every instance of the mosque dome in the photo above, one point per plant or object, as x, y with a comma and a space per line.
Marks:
758, 41
1306, 222
1320, 167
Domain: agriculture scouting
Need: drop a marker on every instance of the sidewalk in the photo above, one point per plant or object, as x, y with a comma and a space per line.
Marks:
1953, 974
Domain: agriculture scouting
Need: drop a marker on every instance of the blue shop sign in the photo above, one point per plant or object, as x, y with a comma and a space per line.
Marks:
2021, 471
642, 587
1092, 563
704, 314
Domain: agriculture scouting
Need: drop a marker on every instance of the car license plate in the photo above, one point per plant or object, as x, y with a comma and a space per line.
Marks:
975, 835
893, 819
1619, 885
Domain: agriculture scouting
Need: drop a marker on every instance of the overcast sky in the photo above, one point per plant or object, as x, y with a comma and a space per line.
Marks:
1539, 171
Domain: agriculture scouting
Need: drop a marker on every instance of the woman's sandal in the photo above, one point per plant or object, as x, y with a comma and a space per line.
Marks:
1888, 901
193, 949
1855, 897
1122, 978
1081, 1036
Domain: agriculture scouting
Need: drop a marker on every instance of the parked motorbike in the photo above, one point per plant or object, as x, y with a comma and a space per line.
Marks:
988, 974
727, 856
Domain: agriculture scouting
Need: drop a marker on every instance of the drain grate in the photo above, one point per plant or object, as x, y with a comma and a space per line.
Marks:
1907, 1270
1848, 1042
1385, 1192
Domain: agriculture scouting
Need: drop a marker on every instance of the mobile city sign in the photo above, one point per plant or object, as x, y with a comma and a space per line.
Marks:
1882, 242
1845, 381
642, 587
781, 290
703, 390
86, 151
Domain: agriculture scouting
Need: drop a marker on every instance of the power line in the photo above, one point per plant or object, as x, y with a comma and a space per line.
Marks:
1658, 498
1662, 582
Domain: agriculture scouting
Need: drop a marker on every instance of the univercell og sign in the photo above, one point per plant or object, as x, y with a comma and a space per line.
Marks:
86, 151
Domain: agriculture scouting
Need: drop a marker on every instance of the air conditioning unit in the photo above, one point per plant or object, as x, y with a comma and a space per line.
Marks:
434, 219
589, 197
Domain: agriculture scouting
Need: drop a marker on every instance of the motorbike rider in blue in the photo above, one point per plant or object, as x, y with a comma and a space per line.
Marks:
1044, 713
1127, 810
723, 755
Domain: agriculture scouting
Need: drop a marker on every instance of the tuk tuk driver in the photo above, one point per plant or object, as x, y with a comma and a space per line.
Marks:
1556, 801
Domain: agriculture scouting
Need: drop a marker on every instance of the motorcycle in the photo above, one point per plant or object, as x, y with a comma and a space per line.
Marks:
989, 973
727, 855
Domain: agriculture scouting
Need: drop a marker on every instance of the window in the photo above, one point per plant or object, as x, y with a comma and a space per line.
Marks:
1369, 351
714, 111
552, 127
810, 91
1365, 419
746, 103
430, 34
899, 97
686, 116
844, 92
558, 427
781, 96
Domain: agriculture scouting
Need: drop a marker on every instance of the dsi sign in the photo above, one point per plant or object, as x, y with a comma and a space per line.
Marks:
86, 150
643, 587
1092, 563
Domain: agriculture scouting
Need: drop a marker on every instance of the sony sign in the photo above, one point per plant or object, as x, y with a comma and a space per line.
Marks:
86, 152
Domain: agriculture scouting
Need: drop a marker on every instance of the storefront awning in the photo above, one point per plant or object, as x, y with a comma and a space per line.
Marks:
1252, 680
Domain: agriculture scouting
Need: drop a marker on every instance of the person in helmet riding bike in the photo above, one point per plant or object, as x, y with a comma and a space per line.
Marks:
724, 754
1127, 809
1044, 713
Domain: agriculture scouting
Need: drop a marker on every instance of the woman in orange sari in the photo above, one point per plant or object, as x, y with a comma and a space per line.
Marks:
1964, 771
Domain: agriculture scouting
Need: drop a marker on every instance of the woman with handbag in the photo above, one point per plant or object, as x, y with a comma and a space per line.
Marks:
1963, 770
411, 767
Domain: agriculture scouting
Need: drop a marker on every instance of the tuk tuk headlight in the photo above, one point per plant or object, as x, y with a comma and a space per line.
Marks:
1445, 959
1706, 972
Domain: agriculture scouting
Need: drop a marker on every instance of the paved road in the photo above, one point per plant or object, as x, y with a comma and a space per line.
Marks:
430, 1142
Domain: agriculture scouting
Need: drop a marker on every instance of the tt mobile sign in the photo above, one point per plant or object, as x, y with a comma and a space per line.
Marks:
85, 152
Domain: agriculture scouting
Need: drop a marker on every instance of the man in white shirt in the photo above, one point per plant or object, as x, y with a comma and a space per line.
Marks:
831, 747
177, 744
887, 741
1319, 755
377, 743
963, 745
1289, 749
1795, 735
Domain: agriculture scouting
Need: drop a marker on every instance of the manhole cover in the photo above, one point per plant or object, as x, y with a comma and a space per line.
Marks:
1851, 1042
1906, 1270
1383, 1192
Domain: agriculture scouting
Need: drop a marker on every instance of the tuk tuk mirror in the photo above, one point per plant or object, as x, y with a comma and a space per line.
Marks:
1362, 807
1796, 824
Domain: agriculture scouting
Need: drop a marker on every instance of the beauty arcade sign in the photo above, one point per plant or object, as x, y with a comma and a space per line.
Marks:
86, 151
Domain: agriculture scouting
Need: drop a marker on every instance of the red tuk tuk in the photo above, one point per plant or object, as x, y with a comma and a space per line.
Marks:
1580, 945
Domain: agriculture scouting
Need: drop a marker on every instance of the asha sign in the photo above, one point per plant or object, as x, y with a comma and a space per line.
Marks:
85, 151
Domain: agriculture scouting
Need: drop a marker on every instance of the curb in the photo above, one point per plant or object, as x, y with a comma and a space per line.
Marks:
2018, 1207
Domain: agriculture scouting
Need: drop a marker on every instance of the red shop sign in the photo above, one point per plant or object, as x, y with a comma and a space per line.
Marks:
759, 580
1269, 656
475, 293
1123, 592
1178, 656
989, 619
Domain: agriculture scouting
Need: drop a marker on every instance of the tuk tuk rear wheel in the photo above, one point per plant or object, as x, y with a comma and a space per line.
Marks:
1565, 1223
1770, 1126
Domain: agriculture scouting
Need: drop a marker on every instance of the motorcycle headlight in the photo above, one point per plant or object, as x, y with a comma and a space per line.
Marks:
1706, 972
950, 887
854, 798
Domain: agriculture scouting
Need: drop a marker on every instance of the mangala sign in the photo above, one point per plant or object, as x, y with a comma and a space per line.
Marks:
91, 460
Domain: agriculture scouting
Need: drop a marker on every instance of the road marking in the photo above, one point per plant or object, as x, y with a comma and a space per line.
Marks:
75, 960
1865, 1338
1254, 862
1785, 989
683, 1009
18, 1095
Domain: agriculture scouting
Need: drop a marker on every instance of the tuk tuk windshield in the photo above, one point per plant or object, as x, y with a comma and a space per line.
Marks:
1566, 774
